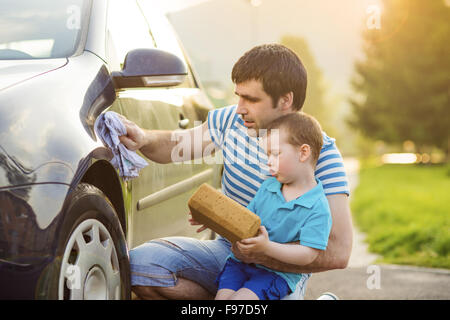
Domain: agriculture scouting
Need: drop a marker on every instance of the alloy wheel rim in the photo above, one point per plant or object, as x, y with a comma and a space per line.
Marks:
90, 267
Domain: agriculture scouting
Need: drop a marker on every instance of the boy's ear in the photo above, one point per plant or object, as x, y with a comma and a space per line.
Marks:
305, 152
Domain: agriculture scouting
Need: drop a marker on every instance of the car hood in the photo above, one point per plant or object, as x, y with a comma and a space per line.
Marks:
13, 72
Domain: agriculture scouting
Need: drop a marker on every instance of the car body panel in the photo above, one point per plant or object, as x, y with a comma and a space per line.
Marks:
95, 38
21, 70
45, 150
37, 127
162, 109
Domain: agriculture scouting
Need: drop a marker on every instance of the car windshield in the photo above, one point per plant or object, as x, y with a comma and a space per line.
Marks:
40, 29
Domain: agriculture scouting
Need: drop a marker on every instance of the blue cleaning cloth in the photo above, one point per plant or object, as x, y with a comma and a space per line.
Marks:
109, 127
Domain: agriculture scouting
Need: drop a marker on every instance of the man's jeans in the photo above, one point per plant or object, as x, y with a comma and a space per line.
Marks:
160, 262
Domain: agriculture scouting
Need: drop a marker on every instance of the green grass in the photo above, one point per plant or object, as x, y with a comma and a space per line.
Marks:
405, 212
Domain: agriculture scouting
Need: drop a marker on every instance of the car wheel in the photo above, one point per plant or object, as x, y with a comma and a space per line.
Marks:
92, 252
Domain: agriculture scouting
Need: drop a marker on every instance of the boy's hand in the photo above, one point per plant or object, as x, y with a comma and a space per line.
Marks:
256, 244
195, 223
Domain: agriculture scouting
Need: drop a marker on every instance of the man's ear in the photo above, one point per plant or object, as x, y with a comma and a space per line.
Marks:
285, 102
305, 152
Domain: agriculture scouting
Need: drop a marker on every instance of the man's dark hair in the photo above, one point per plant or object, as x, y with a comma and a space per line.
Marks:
278, 68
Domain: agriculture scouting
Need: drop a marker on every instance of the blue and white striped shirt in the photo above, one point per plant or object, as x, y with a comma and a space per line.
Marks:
245, 161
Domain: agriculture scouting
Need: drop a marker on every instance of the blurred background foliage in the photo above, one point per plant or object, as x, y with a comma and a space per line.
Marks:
316, 102
371, 88
403, 82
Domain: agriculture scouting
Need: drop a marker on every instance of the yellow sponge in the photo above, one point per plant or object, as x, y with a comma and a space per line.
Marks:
222, 214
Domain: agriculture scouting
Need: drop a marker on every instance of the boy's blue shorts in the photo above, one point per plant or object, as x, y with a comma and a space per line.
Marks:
265, 284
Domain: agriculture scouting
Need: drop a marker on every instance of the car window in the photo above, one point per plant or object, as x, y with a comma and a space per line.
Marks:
127, 29
41, 29
164, 35
161, 29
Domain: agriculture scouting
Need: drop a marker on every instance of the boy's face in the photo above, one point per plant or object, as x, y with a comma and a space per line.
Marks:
284, 159
255, 106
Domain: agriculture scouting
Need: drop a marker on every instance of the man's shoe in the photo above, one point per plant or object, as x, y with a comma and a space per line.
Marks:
328, 296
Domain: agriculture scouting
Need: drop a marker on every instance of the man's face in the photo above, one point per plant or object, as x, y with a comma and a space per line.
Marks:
255, 106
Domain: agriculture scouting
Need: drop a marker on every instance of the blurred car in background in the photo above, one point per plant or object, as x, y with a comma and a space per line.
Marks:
67, 219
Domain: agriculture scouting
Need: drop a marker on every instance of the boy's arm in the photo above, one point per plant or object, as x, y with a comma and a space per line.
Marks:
298, 255
334, 257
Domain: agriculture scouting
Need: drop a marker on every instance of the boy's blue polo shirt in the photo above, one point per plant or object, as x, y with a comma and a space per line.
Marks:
306, 219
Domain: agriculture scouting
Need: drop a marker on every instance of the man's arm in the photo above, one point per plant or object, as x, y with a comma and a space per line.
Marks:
159, 145
338, 250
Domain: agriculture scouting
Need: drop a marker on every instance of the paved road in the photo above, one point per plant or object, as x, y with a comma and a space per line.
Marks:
359, 281
395, 282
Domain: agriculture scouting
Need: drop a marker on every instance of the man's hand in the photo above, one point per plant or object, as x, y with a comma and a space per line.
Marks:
158, 145
246, 258
135, 138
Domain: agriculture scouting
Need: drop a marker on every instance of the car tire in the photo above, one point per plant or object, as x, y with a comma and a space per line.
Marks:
92, 260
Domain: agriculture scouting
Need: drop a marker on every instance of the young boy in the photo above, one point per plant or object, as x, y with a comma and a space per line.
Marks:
292, 207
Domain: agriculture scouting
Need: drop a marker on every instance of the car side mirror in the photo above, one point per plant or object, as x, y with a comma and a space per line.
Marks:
150, 68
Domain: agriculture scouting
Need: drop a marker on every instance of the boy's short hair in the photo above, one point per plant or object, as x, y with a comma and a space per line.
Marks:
278, 68
301, 129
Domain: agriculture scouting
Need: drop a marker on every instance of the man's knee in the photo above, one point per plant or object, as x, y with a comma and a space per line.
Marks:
184, 290
146, 293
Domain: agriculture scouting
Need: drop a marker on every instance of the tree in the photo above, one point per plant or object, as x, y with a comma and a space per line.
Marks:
315, 102
404, 79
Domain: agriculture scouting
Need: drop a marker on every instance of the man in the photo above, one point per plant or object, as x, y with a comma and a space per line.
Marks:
270, 82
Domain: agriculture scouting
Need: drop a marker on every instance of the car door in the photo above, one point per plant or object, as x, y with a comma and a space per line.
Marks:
156, 201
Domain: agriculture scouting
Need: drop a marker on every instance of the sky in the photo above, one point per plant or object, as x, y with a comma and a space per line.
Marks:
177, 5
217, 32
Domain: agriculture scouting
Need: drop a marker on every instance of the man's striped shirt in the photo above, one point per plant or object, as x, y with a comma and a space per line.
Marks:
245, 161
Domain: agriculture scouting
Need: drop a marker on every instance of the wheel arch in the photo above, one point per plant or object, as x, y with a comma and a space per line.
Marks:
102, 175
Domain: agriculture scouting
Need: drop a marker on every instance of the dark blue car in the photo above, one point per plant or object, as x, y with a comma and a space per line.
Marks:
67, 219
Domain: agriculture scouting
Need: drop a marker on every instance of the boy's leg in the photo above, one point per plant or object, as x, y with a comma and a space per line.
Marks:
230, 279
244, 294
224, 294
265, 284
177, 267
